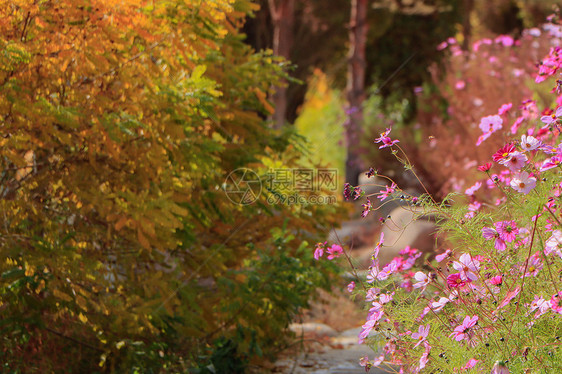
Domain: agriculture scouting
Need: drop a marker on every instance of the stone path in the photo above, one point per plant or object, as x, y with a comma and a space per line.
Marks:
326, 352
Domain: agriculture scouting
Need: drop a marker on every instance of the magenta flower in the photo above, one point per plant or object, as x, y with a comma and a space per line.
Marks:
507, 230
351, 286
385, 139
556, 302
421, 335
455, 281
486, 167
387, 192
553, 118
366, 208
523, 182
319, 251
504, 108
551, 163
334, 251
497, 280
467, 266
503, 152
464, 330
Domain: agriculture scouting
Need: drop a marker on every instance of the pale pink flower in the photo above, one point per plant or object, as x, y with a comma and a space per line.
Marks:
424, 359
319, 251
438, 305
554, 243
514, 161
472, 189
423, 280
540, 305
351, 286
470, 364
499, 368
365, 330
442, 256
523, 182
464, 330
466, 265
529, 143
421, 335
490, 124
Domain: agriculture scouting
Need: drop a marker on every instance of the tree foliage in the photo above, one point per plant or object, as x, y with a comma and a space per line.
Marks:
120, 251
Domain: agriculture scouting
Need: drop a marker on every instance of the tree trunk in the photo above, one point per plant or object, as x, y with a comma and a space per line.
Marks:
283, 16
355, 87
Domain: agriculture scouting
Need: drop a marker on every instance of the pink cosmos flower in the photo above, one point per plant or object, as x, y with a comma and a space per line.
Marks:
472, 189
423, 280
552, 162
540, 305
523, 182
504, 108
455, 281
467, 265
334, 251
497, 280
507, 230
421, 335
529, 143
556, 302
442, 46
534, 266
387, 192
490, 123
365, 330
379, 245
385, 139
442, 256
486, 167
464, 330
319, 251
553, 118
514, 161
503, 152
554, 243
470, 364
424, 359
438, 305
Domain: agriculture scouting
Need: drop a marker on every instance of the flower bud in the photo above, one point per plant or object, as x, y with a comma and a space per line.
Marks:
499, 368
